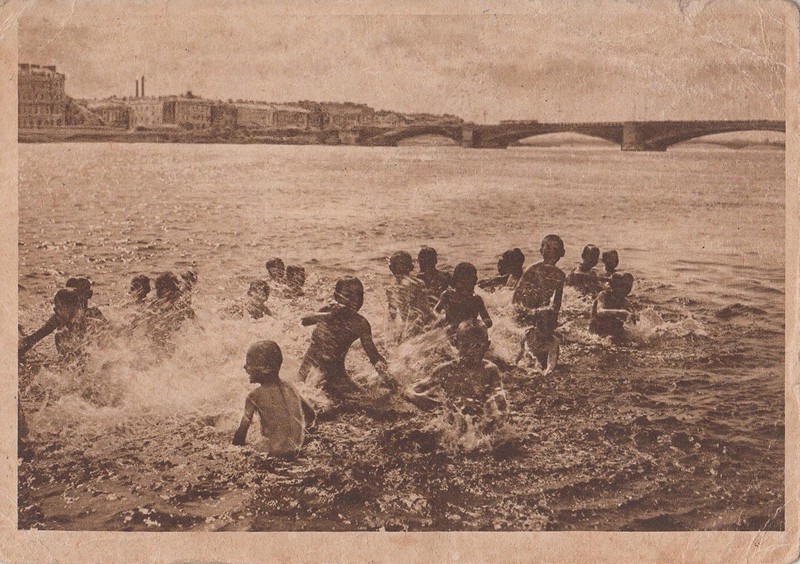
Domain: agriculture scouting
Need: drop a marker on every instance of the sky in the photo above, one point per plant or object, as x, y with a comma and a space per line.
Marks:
483, 61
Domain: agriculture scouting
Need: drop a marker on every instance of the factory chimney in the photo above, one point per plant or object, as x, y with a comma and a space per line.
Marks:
142, 86
137, 87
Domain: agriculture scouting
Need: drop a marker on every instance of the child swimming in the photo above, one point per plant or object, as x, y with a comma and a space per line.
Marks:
539, 343
276, 270
610, 260
509, 268
434, 279
257, 296
611, 309
83, 286
284, 415
542, 284
409, 308
471, 385
295, 280
338, 326
139, 288
459, 302
583, 277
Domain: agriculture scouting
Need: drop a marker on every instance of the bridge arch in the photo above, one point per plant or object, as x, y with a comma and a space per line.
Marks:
392, 138
612, 134
669, 139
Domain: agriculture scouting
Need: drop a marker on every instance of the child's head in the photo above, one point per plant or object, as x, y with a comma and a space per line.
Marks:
545, 321
511, 262
140, 286
259, 289
552, 248
276, 268
167, 286
427, 258
349, 292
465, 276
472, 341
621, 284
263, 361
82, 286
295, 276
401, 263
590, 256
66, 305
610, 260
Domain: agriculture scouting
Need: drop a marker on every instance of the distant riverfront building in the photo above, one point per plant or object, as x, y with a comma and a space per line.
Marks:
265, 116
188, 112
146, 112
42, 100
113, 113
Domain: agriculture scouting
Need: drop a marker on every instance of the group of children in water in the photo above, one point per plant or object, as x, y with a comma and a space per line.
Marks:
469, 386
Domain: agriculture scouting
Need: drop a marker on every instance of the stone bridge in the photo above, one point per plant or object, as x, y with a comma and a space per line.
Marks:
629, 135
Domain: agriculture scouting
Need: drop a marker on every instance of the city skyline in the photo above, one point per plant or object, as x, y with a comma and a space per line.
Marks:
571, 63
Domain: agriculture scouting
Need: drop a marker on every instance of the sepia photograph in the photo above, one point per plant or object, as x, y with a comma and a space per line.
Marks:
322, 269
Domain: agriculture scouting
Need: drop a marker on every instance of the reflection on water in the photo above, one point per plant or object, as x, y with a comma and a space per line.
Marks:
681, 430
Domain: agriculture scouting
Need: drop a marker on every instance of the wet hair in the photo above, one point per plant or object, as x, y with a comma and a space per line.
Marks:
296, 273
620, 281
275, 262
590, 254
82, 285
68, 297
167, 284
610, 256
140, 284
401, 263
555, 239
427, 257
264, 355
259, 287
346, 285
511, 262
463, 272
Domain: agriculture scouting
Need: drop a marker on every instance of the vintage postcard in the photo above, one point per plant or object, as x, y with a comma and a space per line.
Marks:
354, 272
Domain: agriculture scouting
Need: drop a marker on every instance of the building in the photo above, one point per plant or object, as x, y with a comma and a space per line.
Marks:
42, 99
346, 115
387, 118
290, 116
253, 115
223, 116
113, 113
145, 112
188, 112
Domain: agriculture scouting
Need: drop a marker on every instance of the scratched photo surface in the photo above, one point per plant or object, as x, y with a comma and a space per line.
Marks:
203, 140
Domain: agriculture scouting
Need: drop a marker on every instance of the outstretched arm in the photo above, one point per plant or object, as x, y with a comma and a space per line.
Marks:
26, 343
241, 433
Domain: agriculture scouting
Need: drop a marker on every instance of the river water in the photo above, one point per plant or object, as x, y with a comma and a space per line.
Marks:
682, 429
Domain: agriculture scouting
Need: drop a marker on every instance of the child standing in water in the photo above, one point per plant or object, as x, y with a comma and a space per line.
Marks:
83, 286
459, 302
539, 342
295, 280
542, 284
257, 296
509, 268
610, 261
283, 414
584, 278
409, 309
471, 385
611, 309
72, 328
338, 326
434, 279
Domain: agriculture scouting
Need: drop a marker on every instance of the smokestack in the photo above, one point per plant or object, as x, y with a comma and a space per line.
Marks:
142, 86
137, 87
